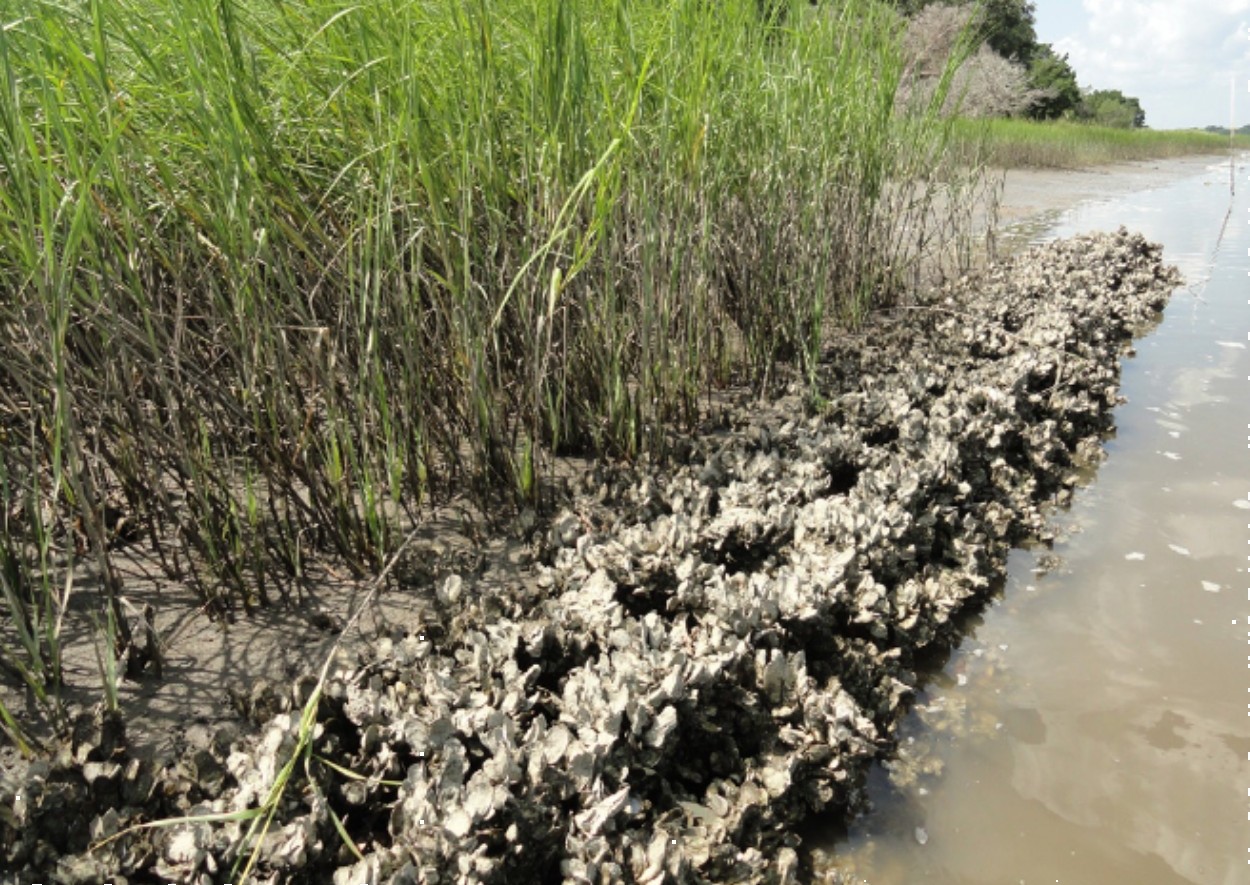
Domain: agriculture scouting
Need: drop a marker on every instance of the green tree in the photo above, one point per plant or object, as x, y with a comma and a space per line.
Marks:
1054, 78
1008, 26
910, 7
1111, 107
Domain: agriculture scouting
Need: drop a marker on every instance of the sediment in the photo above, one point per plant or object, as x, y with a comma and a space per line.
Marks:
698, 659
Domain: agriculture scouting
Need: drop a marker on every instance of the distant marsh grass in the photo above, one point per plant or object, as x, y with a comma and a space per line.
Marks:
277, 275
1021, 143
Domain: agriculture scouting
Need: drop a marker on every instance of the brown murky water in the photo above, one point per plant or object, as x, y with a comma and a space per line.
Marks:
1094, 727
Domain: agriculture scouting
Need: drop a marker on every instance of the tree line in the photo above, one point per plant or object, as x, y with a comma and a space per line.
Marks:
1043, 82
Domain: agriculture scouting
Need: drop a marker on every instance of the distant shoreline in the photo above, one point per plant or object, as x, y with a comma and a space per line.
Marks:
1033, 197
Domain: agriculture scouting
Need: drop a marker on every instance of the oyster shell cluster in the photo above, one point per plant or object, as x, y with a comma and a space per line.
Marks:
702, 658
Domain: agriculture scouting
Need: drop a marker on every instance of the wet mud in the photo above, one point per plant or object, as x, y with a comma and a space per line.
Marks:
699, 659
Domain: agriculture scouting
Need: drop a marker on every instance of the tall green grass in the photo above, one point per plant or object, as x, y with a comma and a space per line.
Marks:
276, 275
1011, 144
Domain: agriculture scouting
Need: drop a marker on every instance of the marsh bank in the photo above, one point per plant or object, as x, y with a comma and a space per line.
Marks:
696, 660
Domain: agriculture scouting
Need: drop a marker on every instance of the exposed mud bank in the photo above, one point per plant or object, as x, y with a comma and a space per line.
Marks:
704, 658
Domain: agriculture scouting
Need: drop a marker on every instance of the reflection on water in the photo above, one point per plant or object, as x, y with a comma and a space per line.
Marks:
1094, 729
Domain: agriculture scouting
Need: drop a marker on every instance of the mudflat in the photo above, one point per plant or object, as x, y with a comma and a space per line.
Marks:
1031, 198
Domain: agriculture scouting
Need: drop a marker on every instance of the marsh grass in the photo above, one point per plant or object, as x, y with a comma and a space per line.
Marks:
1009, 144
274, 277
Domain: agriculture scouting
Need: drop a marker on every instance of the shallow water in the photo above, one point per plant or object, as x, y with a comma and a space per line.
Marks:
1093, 727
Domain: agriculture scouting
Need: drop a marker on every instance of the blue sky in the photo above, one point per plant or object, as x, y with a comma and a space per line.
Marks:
1176, 56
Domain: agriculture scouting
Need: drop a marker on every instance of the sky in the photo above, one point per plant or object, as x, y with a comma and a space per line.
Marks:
1175, 56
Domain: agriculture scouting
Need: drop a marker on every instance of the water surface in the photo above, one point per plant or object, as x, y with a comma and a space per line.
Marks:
1093, 728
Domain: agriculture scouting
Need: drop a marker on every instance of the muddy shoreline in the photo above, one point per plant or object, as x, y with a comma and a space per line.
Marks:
1032, 199
694, 662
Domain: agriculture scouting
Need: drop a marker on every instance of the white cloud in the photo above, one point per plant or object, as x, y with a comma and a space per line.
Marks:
1176, 57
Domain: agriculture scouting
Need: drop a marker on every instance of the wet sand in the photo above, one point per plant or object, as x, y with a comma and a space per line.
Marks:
1033, 199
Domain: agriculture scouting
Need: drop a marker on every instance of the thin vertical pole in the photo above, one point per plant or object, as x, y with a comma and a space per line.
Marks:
1232, 134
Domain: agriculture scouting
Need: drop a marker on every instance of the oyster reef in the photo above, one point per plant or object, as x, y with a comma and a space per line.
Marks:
693, 661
